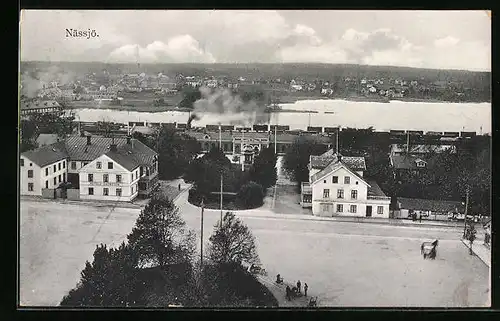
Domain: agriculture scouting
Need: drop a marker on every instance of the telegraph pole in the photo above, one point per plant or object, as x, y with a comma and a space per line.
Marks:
466, 206
201, 244
221, 196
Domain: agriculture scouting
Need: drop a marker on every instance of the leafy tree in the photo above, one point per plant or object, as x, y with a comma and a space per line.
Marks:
232, 242
109, 281
190, 96
296, 158
263, 170
470, 234
49, 123
159, 236
251, 195
175, 152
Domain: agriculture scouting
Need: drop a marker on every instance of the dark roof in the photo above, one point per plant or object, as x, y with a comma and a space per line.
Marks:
409, 161
122, 157
78, 150
354, 163
374, 189
35, 104
47, 155
429, 205
334, 165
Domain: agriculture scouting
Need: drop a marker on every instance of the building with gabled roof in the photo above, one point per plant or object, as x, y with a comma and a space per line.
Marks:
337, 187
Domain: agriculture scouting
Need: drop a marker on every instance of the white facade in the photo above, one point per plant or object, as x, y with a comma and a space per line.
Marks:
95, 187
33, 178
343, 193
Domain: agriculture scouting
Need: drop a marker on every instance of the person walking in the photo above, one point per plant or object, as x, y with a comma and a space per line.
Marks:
305, 289
298, 286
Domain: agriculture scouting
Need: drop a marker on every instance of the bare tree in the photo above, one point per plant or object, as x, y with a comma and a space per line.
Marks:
232, 242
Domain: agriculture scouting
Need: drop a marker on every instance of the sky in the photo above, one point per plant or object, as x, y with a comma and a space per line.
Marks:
422, 39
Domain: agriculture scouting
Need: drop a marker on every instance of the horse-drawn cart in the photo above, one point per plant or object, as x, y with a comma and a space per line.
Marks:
428, 249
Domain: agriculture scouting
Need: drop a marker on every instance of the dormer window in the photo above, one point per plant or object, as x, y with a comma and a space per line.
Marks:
420, 163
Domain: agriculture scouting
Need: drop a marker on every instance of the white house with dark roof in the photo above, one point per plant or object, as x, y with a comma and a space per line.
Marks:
337, 187
113, 176
42, 168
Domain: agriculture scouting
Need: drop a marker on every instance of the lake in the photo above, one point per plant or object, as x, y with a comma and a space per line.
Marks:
395, 115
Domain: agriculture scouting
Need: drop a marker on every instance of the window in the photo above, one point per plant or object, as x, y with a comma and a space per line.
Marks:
307, 198
353, 208
98, 165
64, 164
118, 192
118, 178
91, 178
55, 181
91, 191
105, 178
340, 193
46, 184
73, 165
340, 208
105, 191
47, 171
324, 181
335, 179
354, 194
380, 210
30, 187
132, 190
59, 166
59, 178
30, 173
131, 177
85, 163
21, 161
110, 165
347, 180
420, 164
64, 177
55, 168
326, 193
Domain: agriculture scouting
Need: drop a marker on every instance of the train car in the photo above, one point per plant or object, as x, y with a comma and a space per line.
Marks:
260, 128
137, 123
212, 127
397, 132
227, 127
331, 130
451, 134
467, 134
314, 129
415, 132
434, 133
181, 126
243, 129
279, 127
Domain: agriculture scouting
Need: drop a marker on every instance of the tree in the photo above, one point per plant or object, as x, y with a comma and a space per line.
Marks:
108, 281
232, 242
190, 96
175, 152
470, 233
263, 170
49, 123
296, 158
159, 236
251, 195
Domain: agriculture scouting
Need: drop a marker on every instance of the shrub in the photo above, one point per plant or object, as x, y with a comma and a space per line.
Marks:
250, 195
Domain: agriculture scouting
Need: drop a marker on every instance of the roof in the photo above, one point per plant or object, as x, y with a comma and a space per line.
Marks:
122, 157
47, 139
354, 163
421, 149
34, 104
373, 188
408, 161
47, 155
333, 166
429, 205
200, 136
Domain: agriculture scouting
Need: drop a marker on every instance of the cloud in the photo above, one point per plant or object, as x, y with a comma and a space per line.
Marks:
446, 42
182, 48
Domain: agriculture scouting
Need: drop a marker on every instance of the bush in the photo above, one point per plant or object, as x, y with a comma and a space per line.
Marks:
250, 195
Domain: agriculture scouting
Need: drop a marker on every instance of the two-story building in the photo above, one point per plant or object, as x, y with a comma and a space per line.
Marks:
337, 187
42, 168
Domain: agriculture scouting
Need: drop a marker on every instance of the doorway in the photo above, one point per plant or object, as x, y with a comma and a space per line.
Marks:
368, 211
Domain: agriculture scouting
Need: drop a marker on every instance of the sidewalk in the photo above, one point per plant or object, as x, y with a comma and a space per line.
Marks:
279, 293
94, 203
480, 250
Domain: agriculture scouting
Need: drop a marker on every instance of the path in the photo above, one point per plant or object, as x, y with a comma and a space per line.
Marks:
279, 292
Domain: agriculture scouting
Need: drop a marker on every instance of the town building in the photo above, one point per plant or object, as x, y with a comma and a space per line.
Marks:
408, 207
30, 107
77, 157
337, 187
42, 168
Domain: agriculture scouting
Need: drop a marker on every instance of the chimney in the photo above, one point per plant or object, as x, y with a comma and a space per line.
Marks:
112, 147
89, 140
339, 157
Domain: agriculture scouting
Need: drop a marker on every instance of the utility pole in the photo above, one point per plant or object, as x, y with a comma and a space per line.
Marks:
337, 145
241, 150
221, 196
408, 143
466, 207
275, 140
201, 244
